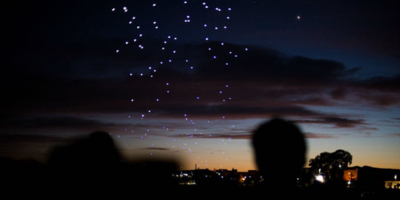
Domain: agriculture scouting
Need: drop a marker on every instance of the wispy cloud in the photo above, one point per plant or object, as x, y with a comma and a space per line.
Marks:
245, 136
55, 122
318, 136
213, 136
157, 148
338, 122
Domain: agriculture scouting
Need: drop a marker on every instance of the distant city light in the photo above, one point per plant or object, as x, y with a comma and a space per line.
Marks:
319, 178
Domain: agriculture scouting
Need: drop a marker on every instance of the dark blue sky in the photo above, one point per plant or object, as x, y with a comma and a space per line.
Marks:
357, 33
332, 67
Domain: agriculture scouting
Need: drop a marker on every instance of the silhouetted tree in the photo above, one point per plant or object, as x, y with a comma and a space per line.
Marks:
339, 159
331, 164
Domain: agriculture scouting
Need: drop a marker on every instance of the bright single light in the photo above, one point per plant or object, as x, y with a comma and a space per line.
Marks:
319, 178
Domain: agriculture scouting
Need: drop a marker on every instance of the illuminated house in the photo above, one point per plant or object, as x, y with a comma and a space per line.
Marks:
350, 174
374, 178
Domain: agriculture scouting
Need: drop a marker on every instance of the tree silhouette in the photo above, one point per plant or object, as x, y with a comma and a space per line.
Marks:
326, 163
341, 159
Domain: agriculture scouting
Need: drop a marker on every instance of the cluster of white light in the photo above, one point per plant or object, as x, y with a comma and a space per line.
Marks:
155, 25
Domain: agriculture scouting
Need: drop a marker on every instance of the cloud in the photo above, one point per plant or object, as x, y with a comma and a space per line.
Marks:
262, 83
244, 136
214, 136
318, 136
55, 122
337, 122
157, 148
339, 93
269, 66
6, 139
383, 83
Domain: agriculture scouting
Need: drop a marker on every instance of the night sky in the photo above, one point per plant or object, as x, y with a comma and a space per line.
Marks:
176, 80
